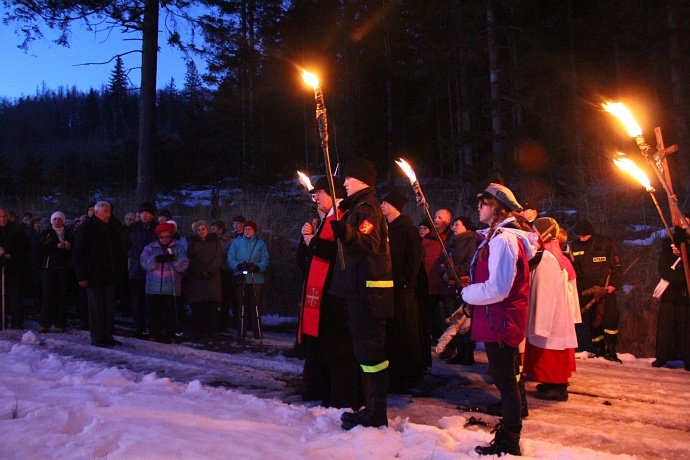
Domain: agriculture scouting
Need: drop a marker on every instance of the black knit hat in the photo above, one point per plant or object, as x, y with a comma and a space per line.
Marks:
148, 207
467, 223
322, 184
584, 227
361, 169
395, 199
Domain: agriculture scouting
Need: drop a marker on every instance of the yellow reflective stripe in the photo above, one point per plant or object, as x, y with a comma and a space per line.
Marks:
376, 368
598, 339
380, 284
611, 331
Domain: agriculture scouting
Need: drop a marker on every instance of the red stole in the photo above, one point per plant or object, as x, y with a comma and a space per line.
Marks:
316, 280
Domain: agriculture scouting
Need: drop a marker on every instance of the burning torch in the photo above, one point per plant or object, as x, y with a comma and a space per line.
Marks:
322, 121
627, 165
421, 201
619, 110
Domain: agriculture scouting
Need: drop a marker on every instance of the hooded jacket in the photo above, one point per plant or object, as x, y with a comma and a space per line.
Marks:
499, 289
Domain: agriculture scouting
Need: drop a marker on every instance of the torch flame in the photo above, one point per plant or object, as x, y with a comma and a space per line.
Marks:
631, 168
310, 79
620, 111
407, 169
304, 180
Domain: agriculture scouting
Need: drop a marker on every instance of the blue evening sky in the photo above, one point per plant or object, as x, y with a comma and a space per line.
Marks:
23, 73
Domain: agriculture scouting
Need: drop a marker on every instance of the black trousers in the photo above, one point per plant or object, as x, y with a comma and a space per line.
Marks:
56, 284
101, 312
502, 364
12, 298
161, 310
368, 333
673, 332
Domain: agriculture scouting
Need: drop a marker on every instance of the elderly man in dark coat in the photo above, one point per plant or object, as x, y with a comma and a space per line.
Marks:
405, 347
97, 262
13, 250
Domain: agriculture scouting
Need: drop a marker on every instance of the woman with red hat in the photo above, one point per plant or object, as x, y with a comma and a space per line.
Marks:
164, 261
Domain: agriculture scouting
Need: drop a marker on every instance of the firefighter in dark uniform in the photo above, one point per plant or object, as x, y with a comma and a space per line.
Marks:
598, 268
366, 284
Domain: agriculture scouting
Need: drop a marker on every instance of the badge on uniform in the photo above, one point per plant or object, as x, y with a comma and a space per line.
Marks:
366, 227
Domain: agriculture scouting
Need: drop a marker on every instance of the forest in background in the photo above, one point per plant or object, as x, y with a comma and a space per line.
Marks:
460, 89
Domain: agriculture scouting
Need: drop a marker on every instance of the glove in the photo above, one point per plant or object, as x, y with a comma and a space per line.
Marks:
162, 258
244, 266
340, 229
253, 268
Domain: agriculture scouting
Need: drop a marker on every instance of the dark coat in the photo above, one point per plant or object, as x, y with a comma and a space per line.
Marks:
677, 290
205, 259
331, 372
15, 243
97, 253
47, 246
368, 273
405, 344
461, 249
594, 259
135, 238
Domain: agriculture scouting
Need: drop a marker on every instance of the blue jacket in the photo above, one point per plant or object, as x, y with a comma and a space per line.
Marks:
164, 278
252, 250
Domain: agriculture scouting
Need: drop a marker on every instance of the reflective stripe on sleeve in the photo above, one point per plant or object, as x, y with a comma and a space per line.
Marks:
380, 284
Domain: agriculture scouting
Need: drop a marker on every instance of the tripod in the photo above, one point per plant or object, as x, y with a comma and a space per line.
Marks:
241, 331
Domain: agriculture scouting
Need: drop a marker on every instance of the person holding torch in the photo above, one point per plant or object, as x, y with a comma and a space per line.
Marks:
498, 296
365, 281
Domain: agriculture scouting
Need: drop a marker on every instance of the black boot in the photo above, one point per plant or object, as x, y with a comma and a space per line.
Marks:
375, 413
555, 392
506, 441
599, 349
610, 349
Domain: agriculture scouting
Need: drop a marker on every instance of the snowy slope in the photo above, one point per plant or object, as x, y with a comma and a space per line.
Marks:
62, 398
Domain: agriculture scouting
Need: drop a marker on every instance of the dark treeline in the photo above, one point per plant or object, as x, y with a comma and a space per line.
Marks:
459, 88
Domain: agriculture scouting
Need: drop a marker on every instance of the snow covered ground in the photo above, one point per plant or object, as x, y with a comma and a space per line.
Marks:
61, 398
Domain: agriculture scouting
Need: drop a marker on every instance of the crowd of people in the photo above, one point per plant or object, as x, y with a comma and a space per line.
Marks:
531, 296
379, 292
144, 267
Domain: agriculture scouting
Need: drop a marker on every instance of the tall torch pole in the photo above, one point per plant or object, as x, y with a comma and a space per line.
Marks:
322, 121
631, 168
619, 110
421, 201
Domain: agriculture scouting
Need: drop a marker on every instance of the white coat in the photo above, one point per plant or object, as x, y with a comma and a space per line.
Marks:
554, 307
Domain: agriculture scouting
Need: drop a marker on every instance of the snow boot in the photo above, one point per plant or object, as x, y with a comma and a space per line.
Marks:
610, 349
659, 363
599, 349
557, 392
375, 413
506, 441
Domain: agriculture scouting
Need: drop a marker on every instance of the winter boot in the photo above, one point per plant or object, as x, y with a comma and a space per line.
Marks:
506, 441
610, 349
375, 413
556, 392
599, 348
